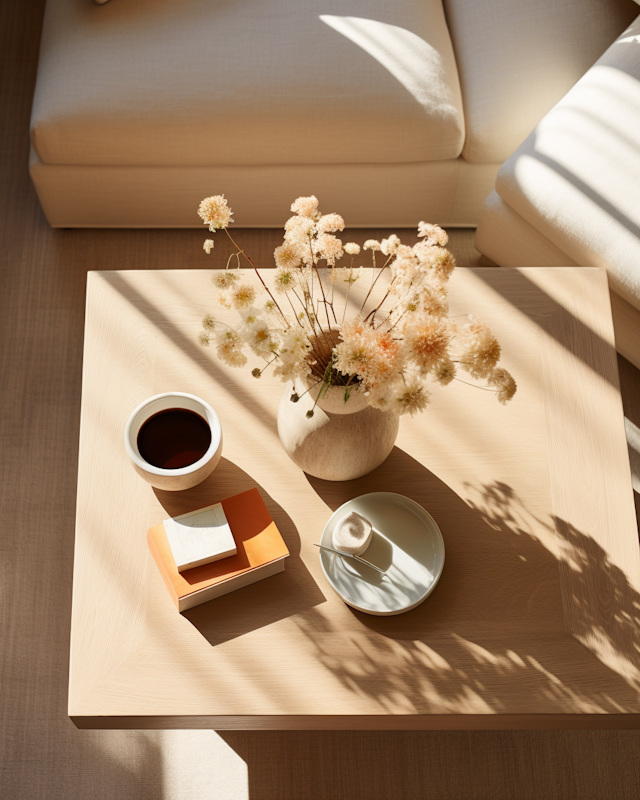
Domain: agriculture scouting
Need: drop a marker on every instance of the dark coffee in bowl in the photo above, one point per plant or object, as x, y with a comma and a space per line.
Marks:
174, 438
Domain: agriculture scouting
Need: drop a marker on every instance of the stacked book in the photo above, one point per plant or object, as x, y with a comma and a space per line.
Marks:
217, 549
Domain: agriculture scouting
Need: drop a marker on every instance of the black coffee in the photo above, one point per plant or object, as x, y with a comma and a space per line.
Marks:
174, 438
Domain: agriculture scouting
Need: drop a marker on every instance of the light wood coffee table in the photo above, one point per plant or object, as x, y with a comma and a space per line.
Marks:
535, 622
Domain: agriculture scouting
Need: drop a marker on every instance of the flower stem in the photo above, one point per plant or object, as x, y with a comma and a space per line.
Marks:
240, 250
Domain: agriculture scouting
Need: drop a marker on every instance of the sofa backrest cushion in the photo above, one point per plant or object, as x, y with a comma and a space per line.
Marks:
576, 178
517, 58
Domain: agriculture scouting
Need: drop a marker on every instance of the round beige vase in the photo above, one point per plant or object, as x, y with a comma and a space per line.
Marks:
341, 441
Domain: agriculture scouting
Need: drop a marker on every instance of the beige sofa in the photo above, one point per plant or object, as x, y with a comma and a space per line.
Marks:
570, 194
390, 112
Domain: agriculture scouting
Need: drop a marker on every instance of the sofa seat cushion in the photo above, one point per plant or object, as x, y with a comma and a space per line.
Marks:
517, 58
216, 82
576, 179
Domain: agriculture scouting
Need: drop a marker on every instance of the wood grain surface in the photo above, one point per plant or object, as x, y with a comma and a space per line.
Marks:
533, 614
42, 753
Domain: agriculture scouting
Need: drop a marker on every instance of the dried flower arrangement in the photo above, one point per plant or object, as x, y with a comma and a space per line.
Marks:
387, 351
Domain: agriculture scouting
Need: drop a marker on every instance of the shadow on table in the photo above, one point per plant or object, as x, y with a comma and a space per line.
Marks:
520, 598
265, 602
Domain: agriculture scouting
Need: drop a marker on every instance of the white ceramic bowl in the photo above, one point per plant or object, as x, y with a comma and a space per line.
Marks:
173, 480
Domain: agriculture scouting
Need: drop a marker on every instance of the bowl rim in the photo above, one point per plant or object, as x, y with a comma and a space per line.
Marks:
212, 420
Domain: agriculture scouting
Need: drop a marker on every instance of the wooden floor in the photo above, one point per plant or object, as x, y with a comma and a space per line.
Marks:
42, 755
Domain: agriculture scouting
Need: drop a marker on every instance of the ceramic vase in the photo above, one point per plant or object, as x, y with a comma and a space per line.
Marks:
341, 441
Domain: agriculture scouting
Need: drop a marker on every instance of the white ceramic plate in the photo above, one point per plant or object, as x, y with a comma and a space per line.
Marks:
406, 542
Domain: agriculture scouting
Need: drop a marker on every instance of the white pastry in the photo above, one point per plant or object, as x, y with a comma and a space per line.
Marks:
352, 534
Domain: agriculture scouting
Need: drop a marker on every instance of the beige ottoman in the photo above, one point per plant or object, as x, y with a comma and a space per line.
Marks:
570, 194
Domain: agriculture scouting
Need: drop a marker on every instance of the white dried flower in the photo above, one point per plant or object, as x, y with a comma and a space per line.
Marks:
229, 348
242, 295
208, 246
224, 279
426, 298
288, 255
328, 247
215, 212
481, 349
258, 336
284, 279
270, 307
445, 372
504, 384
435, 259
208, 322
412, 397
427, 343
345, 274
372, 244
330, 223
294, 355
433, 234
404, 271
204, 338
352, 249
224, 299
390, 245
306, 207
299, 226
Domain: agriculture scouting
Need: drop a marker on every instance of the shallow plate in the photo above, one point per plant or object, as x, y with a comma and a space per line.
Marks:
406, 542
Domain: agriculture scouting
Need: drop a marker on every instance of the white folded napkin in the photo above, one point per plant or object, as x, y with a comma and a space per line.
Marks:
352, 534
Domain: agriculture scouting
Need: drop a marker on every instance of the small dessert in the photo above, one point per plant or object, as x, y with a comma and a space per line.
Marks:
352, 534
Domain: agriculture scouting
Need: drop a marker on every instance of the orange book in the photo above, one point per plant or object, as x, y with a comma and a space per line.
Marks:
261, 552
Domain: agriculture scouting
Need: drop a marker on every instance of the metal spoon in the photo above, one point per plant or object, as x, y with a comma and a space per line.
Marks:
351, 555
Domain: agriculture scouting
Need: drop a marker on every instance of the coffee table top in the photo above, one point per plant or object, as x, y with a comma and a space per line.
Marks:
536, 619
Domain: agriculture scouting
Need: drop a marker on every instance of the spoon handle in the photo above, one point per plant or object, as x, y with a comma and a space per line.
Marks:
350, 555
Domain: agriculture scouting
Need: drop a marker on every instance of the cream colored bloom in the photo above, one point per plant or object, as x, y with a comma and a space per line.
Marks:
298, 231
284, 279
355, 353
445, 372
242, 295
208, 322
504, 384
258, 336
215, 212
294, 355
306, 207
427, 344
426, 298
435, 259
288, 254
412, 397
224, 279
390, 245
229, 348
481, 349
330, 223
345, 274
352, 249
208, 246
370, 354
433, 234
328, 247
204, 338
404, 271
372, 244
